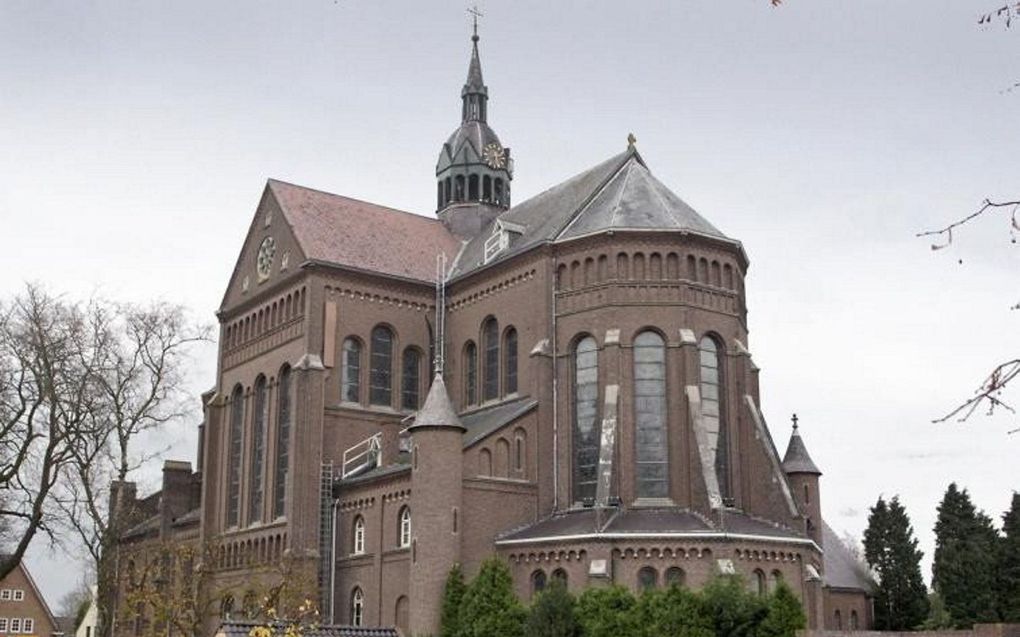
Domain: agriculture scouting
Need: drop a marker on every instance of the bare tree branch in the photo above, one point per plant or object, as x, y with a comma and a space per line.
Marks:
989, 392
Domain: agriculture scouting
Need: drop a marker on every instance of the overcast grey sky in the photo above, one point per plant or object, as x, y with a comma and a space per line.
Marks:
137, 137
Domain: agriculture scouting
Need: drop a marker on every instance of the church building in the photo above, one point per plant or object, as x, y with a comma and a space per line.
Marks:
565, 383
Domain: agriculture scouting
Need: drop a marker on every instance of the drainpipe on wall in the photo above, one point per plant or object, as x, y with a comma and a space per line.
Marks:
332, 563
555, 390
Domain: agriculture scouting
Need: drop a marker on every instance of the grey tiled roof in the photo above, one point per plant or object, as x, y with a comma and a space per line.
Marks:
640, 521
437, 411
619, 194
481, 423
842, 570
797, 459
243, 628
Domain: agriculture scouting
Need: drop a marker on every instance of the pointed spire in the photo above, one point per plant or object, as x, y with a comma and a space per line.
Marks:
438, 410
797, 459
475, 94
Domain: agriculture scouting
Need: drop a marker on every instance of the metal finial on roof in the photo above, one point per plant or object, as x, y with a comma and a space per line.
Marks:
475, 14
631, 140
795, 421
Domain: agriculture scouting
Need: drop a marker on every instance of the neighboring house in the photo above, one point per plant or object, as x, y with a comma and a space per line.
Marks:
23, 610
596, 419
87, 627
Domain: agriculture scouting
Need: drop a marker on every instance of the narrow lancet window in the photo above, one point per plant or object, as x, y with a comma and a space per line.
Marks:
712, 412
350, 372
258, 451
283, 415
490, 341
234, 464
380, 389
652, 449
586, 430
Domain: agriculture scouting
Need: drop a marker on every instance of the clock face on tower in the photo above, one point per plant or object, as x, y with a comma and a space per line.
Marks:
264, 260
494, 156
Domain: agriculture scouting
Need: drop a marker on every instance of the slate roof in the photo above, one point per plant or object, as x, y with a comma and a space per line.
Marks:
362, 235
483, 422
619, 194
640, 521
842, 570
797, 459
243, 628
437, 411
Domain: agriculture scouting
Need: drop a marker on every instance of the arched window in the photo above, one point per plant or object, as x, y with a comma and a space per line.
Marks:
410, 382
807, 494
853, 620
458, 188
227, 606
470, 374
380, 383
560, 576
485, 463
350, 371
404, 534
487, 188
402, 612
490, 371
648, 578
358, 540
712, 412
652, 467
283, 414
439, 194
586, 435
510, 356
675, 576
839, 620
498, 193
234, 470
258, 451
760, 584
537, 582
775, 580
520, 449
446, 191
473, 188
357, 607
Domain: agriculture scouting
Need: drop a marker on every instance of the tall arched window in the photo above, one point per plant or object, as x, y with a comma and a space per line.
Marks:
234, 464
510, 356
470, 374
350, 371
760, 584
380, 383
358, 541
357, 607
486, 188
258, 451
283, 415
712, 395
473, 188
652, 449
648, 578
404, 534
853, 620
410, 379
490, 343
586, 435
839, 620
537, 582
675, 576
775, 580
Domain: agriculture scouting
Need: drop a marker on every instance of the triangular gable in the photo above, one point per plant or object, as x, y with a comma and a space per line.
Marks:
269, 221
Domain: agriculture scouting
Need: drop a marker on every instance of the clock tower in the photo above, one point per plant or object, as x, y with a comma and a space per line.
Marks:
474, 169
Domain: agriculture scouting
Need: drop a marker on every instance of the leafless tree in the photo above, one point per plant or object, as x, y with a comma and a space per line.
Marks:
49, 396
990, 391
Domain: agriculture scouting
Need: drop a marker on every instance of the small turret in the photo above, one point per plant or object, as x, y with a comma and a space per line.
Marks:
803, 475
437, 466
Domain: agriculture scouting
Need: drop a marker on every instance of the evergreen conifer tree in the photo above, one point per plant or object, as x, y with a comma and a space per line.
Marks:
490, 606
785, 614
963, 572
552, 613
607, 612
890, 549
1009, 563
453, 596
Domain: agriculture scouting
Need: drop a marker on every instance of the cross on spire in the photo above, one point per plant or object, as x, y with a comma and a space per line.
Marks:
795, 421
475, 14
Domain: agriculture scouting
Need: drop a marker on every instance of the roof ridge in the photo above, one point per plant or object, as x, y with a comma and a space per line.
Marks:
273, 180
626, 156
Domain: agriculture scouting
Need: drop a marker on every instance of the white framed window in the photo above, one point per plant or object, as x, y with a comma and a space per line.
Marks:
27, 625
5, 595
405, 527
19, 594
357, 607
359, 536
3, 624
16, 625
